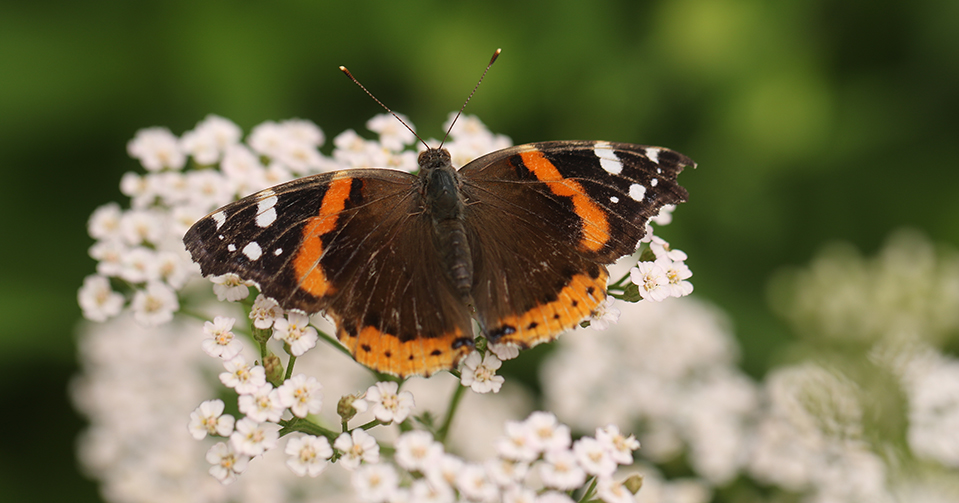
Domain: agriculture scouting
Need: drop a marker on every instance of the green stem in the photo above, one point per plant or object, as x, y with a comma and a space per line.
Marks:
308, 427
289, 367
448, 421
588, 494
619, 282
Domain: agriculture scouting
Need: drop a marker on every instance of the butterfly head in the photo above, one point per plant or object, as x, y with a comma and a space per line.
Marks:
434, 158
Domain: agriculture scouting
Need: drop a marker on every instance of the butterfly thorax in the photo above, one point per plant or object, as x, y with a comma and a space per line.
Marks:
440, 188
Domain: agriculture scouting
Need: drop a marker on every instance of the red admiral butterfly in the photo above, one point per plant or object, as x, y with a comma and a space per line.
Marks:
517, 239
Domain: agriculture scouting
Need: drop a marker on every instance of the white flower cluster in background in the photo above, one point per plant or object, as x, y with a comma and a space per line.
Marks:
874, 415
669, 366
183, 409
908, 290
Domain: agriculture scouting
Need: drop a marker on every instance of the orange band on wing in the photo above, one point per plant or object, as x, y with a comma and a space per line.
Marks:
595, 224
424, 356
307, 260
575, 302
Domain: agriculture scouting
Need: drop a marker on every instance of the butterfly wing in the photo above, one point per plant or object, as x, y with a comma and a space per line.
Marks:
572, 208
356, 245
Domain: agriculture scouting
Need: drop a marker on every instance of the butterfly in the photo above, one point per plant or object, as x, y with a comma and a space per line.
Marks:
517, 240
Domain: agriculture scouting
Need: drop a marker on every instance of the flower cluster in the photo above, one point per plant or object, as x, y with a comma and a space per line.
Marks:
878, 327
537, 461
670, 366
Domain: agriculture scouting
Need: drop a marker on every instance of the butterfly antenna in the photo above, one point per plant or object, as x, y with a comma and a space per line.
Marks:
491, 61
350, 75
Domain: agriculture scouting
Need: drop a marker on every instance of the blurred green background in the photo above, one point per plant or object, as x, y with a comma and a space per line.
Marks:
811, 121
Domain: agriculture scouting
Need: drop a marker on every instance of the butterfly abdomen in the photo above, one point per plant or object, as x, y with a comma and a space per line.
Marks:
444, 204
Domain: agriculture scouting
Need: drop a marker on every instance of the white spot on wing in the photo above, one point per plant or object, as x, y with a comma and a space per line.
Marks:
654, 182
219, 217
266, 218
608, 159
252, 250
613, 199
265, 211
653, 154
637, 192
231, 247
278, 252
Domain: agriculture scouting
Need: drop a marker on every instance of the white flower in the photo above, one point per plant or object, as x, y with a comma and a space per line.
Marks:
393, 134
296, 331
227, 463
241, 377
475, 484
479, 373
156, 148
208, 419
221, 343
561, 471
230, 287
594, 457
170, 186
375, 483
264, 312
172, 269
304, 131
677, 272
209, 188
651, 279
104, 223
267, 138
611, 491
387, 404
98, 300
355, 151
244, 170
109, 256
155, 304
253, 438
292, 143
546, 432
301, 394
416, 450
444, 471
141, 226
308, 454
518, 444
210, 138
505, 472
553, 497
357, 446
620, 447
139, 265
665, 216
422, 491
262, 405
519, 494
504, 351
140, 189
606, 314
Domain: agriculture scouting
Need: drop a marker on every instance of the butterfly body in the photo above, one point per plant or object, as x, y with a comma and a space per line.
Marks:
517, 239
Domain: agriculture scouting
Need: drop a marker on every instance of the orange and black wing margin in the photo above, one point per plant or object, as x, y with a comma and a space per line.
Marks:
572, 207
356, 245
